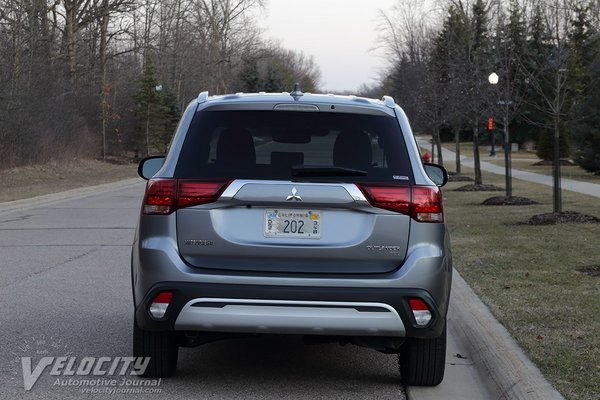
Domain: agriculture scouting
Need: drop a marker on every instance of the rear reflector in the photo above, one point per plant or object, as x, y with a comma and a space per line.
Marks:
420, 311
164, 196
159, 305
422, 203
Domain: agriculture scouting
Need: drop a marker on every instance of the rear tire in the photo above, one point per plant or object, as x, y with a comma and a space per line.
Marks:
423, 361
162, 349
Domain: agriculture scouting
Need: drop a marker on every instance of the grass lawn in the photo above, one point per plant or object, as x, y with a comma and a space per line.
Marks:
528, 276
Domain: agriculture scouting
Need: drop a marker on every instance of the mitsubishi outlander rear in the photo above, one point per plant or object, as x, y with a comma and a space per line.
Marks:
295, 214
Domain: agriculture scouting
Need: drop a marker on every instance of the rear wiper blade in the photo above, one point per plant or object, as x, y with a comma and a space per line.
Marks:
326, 171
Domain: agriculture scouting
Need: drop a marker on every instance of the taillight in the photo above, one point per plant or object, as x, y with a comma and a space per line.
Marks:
422, 203
193, 193
420, 311
393, 198
164, 196
427, 204
159, 305
161, 196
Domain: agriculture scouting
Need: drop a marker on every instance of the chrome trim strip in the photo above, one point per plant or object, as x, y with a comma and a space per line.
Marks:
237, 185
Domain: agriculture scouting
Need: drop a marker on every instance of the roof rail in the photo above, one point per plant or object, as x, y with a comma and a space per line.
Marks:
202, 97
389, 101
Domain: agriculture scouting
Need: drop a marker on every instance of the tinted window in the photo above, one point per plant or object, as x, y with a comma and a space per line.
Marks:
268, 144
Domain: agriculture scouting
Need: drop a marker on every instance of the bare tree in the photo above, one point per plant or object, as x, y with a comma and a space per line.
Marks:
407, 41
547, 77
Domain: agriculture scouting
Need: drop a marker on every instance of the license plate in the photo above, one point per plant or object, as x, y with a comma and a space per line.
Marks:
299, 224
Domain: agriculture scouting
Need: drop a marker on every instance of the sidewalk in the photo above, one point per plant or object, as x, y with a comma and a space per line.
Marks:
592, 189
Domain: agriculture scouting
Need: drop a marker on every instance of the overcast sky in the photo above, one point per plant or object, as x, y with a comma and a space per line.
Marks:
338, 33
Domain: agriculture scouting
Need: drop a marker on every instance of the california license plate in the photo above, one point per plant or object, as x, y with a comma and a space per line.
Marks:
288, 223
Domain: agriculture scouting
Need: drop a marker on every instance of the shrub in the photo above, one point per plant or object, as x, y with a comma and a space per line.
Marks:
545, 145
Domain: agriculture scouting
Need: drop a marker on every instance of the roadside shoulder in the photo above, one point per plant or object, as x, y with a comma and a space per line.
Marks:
68, 194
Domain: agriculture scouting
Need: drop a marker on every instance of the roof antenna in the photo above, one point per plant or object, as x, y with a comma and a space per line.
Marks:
296, 93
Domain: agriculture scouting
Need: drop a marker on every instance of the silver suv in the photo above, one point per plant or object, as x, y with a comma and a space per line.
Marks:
293, 213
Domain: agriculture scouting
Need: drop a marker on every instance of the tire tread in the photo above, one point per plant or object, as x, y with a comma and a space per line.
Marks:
162, 349
422, 362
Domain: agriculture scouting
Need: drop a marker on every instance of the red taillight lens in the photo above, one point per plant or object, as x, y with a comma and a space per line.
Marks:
193, 193
161, 196
164, 196
417, 305
163, 297
422, 203
427, 204
393, 198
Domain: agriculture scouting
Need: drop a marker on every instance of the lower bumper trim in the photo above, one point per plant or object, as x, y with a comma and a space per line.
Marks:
290, 317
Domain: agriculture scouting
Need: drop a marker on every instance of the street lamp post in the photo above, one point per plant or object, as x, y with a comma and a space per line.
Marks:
493, 139
494, 79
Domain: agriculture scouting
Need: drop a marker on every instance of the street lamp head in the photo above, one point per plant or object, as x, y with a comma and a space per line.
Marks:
493, 78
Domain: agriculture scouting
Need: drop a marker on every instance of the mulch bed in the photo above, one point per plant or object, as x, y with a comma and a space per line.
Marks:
508, 201
564, 217
593, 270
479, 187
454, 177
550, 162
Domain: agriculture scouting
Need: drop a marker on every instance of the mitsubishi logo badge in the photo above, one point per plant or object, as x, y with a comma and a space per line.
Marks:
294, 196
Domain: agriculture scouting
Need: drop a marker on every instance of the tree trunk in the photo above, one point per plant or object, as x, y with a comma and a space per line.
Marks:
476, 156
438, 144
70, 36
457, 149
104, 19
557, 198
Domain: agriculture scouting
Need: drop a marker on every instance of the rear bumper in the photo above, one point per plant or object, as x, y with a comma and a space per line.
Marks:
290, 310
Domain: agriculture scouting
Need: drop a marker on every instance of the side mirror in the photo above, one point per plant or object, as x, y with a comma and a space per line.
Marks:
149, 166
437, 174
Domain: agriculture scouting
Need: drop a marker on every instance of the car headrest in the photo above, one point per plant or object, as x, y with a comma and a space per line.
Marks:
352, 149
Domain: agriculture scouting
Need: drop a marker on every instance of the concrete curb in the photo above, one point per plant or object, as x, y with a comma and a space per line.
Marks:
48, 199
493, 350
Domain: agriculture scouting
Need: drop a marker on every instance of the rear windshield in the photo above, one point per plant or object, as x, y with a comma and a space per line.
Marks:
289, 145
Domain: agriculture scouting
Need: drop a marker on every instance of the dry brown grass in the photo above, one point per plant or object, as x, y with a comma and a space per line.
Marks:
25, 182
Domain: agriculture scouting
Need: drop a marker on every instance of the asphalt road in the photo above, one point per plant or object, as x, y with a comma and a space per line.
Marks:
65, 291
